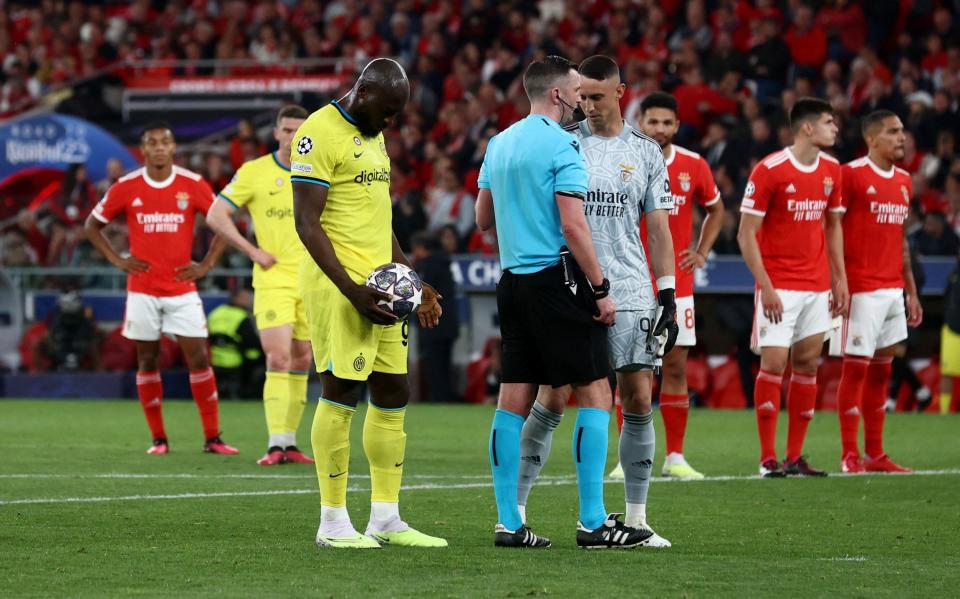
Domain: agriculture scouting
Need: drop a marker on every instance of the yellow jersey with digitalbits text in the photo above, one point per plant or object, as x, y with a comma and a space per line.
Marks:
263, 186
329, 150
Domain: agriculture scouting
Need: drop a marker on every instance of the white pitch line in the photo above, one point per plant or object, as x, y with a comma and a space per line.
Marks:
542, 481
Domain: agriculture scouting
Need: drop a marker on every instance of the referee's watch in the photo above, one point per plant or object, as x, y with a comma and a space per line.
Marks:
602, 290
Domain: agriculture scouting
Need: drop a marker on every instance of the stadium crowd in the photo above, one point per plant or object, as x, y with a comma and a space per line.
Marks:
735, 66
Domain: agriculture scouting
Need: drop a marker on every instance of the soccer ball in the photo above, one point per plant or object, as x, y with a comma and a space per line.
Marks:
402, 283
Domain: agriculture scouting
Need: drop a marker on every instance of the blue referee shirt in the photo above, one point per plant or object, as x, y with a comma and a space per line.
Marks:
525, 166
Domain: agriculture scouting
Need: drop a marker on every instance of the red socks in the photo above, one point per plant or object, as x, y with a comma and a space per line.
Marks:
150, 392
203, 386
766, 402
852, 384
874, 398
674, 408
801, 400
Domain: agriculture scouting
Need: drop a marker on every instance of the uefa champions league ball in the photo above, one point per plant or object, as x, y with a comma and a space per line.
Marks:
401, 283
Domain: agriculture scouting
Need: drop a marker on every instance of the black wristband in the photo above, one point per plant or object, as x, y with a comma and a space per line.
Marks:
602, 290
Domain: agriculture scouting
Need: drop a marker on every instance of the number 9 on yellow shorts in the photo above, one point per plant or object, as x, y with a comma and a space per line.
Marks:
273, 307
346, 343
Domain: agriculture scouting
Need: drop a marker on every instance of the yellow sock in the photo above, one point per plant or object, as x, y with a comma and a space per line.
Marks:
276, 395
331, 448
296, 401
384, 443
945, 403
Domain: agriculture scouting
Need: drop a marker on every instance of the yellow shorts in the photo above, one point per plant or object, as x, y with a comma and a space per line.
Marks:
277, 306
346, 343
949, 352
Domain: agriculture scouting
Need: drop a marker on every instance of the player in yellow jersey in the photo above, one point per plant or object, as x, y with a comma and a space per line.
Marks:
263, 187
341, 201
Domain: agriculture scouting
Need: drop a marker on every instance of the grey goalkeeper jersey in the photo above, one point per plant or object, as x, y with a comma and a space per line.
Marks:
628, 178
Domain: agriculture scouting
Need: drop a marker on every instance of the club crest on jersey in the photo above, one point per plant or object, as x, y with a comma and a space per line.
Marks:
183, 200
626, 171
356, 140
906, 194
827, 186
279, 182
684, 181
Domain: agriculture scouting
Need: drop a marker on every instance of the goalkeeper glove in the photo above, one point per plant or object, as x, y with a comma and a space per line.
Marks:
666, 330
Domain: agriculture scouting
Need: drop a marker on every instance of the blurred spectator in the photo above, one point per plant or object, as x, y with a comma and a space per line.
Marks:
449, 239
214, 171
245, 144
808, 43
114, 172
408, 218
448, 203
436, 345
72, 341
936, 238
235, 352
769, 60
16, 250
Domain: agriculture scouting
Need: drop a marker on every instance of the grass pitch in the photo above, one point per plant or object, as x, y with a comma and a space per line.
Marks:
85, 513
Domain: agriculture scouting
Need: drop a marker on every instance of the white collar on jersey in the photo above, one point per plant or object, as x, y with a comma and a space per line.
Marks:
160, 184
673, 154
803, 168
876, 168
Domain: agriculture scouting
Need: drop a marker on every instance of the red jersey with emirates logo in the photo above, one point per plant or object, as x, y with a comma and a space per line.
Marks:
691, 181
793, 200
877, 202
160, 218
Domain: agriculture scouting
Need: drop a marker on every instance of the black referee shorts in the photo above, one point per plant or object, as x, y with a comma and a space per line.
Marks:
548, 332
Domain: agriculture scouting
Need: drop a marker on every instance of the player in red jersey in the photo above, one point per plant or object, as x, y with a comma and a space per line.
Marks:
782, 239
691, 182
876, 195
160, 203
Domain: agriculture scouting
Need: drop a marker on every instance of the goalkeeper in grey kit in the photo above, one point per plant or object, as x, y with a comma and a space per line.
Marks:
628, 183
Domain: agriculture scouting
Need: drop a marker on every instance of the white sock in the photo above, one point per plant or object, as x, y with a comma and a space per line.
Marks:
335, 522
636, 516
385, 517
276, 441
523, 513
289, 439
674, 458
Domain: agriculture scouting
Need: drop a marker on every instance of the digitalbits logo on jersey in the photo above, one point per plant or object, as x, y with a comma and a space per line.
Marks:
400, 282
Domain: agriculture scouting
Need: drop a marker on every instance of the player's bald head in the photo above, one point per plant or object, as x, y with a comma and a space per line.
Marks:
381, 91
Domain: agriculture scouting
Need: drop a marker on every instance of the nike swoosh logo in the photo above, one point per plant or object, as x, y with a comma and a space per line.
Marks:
575, 145
338, 475
357, 154
273, 193
398, 465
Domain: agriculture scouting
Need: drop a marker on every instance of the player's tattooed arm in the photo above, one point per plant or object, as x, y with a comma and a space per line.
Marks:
309, 200
709, 231
194, 270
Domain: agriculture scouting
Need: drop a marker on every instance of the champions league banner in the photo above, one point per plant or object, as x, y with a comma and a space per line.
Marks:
58, 141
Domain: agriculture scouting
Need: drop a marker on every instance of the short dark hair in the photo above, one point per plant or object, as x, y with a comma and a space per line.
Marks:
659, 100
808, 109
599, 67
153, 126
292, 111
874, 119
542, 75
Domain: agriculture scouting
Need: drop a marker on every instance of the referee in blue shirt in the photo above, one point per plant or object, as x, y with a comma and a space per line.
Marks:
553, 301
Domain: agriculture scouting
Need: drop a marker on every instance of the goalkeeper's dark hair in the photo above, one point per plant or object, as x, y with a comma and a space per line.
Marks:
292, 111
154, 125
544, 74
873, 120
659, 100
808, 109
599, 68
